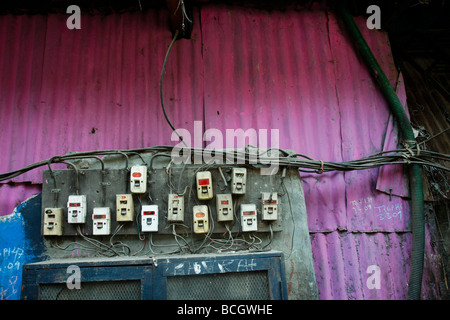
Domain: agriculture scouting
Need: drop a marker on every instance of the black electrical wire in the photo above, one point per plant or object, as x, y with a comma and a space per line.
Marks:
390, 157
68, 157
77, 177
161, 87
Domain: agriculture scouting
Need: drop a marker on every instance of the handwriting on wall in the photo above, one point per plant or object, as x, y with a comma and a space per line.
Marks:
210, 266
387, 211
11, 259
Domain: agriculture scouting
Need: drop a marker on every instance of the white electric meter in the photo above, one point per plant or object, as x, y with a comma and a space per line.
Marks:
138, 179
224, 207
149, 218
248, 217
101, 219
204, 185
76, 209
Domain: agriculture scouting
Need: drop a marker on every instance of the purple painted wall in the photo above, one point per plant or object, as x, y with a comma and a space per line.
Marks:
296, 71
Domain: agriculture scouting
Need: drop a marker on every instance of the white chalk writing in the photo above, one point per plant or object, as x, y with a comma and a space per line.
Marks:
362, 205
10, 265
392, 210
10, 258
10, 290
188, 268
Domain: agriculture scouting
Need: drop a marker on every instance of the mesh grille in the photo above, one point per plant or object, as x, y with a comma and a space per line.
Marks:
111, 290
223, 286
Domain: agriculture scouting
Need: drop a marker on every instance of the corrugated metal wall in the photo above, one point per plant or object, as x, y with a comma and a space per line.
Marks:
296, 71
94, 88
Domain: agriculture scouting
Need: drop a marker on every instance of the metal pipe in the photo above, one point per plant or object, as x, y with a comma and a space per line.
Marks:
414, 170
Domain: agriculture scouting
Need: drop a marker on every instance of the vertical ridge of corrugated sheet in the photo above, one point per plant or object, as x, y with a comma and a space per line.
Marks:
296, 71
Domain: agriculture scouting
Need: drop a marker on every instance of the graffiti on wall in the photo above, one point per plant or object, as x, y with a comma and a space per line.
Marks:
11, 266
17, 245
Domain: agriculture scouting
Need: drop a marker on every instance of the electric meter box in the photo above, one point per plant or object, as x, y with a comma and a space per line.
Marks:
248, 217
201, 219
138, 179
238, 180
269, 206
111, 188
53, 222
101, 219
175, 210
204, 185
224, 207
149, 218
124, 208
76, 209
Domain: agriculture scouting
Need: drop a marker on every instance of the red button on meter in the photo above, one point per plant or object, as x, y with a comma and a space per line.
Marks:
200, 214
203, 182
137, 174
74, 204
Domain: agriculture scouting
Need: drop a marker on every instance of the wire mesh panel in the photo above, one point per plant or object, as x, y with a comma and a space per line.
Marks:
237, 276
111, 290
252, 285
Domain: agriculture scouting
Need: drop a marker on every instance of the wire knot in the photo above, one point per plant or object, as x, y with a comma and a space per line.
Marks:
320, 171
409, 146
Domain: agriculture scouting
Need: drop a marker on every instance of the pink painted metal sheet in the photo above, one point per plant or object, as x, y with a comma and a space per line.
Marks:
295, 71
11, 195
95, 88
276, 72
22, 47
373, 266
99, 89
398, 187
312, 87
364, 121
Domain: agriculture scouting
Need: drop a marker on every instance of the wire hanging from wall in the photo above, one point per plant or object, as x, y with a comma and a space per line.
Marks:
161, 93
